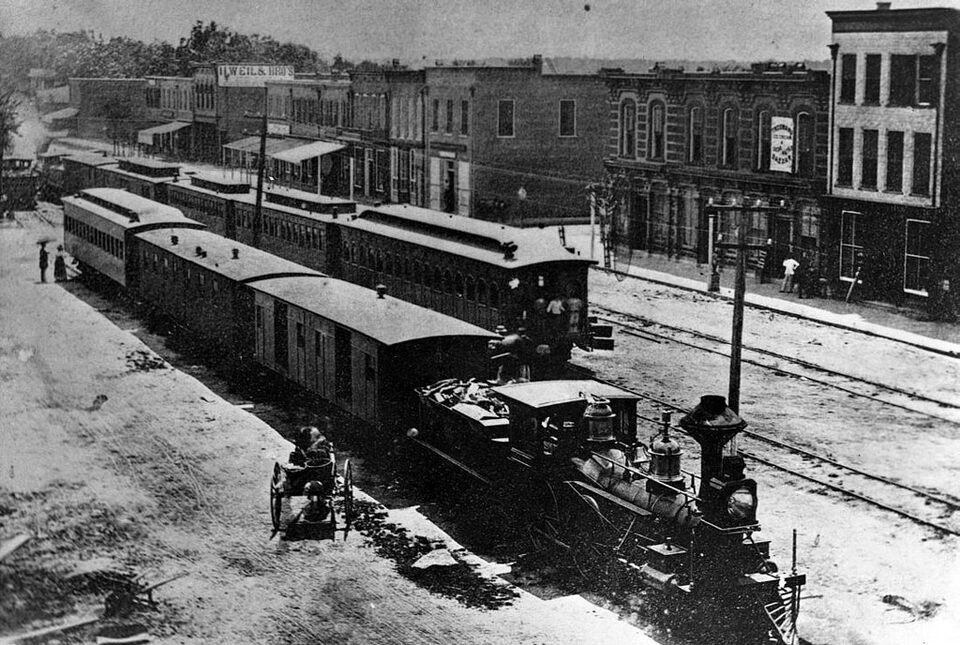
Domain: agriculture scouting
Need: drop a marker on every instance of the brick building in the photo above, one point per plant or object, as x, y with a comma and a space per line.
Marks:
113, 109
366, 134
892, 196
677, 140
169, 109
514, 142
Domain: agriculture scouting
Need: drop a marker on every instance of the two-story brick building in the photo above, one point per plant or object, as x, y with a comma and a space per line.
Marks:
892, 198
513, 142
678, 140
169, 109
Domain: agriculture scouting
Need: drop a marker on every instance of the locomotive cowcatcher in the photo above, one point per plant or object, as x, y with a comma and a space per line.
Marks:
570, 451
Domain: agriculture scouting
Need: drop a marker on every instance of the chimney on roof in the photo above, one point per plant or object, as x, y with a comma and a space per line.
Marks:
538, 63
236, 254
883, 6
199, 251
174, 240
204, 254
381, 290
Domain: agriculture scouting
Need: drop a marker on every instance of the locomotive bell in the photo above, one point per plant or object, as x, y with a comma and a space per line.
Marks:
599, 417
712, 424
665, 454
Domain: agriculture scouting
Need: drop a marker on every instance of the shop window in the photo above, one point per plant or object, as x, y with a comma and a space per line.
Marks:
871, 80
763, 140
695, 151
848, 78
505, 118
730, 137
916, 260
628, 128
655, 141
845, 157
868, 167
568, 118
922, 147
894, 181
851, 248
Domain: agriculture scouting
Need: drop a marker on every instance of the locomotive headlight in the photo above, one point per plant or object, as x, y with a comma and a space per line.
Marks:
742, 504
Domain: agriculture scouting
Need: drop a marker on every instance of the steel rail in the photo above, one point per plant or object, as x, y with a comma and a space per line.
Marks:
789, 447
811, 366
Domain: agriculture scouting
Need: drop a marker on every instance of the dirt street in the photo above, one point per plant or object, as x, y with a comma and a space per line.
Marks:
118, 466
873, 577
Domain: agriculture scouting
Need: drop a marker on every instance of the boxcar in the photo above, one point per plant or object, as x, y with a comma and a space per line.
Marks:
360, 350
197, 278
99, 225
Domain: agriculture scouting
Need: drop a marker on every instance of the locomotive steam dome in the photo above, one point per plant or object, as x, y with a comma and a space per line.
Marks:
599, 417
665, 454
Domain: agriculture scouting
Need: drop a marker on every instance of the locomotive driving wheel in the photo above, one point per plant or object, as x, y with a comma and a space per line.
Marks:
276, 496
348, 509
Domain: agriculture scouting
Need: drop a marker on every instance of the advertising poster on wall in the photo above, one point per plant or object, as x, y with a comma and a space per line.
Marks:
781, 144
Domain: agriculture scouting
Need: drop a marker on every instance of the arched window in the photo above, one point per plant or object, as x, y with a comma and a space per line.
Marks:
655, 136
363, 256
437, 284
447, 284
805, 154
628, 128
763, 139
481, 292
471, 289
695, 130
494, 295
458, 284
379, 261
729, 137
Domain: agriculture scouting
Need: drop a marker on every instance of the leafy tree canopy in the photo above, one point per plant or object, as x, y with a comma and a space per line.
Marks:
86, 54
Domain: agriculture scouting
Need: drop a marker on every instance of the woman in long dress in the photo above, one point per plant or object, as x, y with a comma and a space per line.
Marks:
60, 266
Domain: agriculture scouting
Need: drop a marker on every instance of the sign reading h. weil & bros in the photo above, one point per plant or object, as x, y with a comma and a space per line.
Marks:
246, 75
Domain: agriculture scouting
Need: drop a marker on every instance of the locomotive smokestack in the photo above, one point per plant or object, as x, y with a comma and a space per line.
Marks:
712, 424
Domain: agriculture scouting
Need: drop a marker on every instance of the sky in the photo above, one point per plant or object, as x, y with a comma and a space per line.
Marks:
446, 29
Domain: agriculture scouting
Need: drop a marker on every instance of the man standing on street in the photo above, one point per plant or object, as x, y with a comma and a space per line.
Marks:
43, 261
789, 268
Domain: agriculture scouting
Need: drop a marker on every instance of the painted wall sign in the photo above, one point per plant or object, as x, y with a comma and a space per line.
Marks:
781, 144
252, 75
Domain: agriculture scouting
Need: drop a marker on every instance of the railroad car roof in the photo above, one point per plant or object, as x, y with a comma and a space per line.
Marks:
543, 394
147, 178
251, 199
464, 236
387, 320
90, 159
118, 205
250, 263
303, 195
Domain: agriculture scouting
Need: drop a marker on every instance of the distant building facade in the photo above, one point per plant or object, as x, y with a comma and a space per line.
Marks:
678, 140
893, 194
113, 109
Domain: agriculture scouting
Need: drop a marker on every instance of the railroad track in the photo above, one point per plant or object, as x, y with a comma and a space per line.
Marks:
925, 508
914, 401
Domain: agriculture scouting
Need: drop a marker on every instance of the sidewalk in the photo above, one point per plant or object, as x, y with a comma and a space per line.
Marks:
878, 319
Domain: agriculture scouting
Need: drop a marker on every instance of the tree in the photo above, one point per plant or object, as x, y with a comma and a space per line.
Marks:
9, 125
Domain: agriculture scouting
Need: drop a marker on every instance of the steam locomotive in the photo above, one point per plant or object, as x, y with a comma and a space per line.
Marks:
571, 447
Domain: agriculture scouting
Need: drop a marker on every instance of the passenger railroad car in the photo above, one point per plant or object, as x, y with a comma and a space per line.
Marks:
99, 225
481, 272
197, 278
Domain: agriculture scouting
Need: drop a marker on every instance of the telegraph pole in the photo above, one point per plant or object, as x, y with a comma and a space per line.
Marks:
261, 161
744, 216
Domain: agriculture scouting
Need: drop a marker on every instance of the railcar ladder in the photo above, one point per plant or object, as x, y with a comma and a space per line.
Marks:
783, 614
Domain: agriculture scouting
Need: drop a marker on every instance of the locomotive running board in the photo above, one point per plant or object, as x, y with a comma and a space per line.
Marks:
459, 464
593, 490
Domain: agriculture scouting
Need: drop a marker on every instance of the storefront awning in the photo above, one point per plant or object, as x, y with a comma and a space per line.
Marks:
309, 151
65, 113
146, 136
247, 144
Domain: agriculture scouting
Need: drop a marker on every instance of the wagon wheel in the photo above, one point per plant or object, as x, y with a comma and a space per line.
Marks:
276, 496
347, 495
